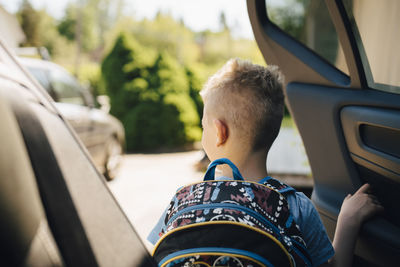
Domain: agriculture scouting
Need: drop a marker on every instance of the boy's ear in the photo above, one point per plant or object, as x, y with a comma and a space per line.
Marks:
222, 132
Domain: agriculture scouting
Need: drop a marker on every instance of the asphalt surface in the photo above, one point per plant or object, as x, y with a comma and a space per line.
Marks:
146, 183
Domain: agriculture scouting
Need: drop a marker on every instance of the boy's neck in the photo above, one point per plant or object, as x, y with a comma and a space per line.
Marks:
253, 167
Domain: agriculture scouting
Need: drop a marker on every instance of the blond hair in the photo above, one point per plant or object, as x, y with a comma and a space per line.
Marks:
249, 97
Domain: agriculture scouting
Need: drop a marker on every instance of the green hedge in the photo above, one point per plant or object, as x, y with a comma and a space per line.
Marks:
151, 94
195, 86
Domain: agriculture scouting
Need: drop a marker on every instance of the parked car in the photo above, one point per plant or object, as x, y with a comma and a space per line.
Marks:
102, 134
341, 61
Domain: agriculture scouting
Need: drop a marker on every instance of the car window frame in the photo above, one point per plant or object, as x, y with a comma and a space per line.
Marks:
310, 62
363, 54
304, 53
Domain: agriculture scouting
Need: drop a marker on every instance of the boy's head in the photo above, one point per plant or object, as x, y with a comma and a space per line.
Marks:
243, 109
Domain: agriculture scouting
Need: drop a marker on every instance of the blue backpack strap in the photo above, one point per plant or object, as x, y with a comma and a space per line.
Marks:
210, 173
282, 188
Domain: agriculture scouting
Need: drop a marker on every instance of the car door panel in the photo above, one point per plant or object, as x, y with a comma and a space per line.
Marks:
24, 242
351, 132
337, 171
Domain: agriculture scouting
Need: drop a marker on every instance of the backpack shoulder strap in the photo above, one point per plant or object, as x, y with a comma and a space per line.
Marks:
282, 188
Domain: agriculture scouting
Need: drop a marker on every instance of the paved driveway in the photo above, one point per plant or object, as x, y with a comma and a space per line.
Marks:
146, 183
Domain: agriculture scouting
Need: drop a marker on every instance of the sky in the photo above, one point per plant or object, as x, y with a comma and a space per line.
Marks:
197, 14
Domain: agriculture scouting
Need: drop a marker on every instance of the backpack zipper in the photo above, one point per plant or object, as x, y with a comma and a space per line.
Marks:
251, 212
306, 259
229, 251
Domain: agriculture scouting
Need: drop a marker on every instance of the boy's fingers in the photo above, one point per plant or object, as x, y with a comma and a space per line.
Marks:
373, 198
378, 208
363, 189
376, 201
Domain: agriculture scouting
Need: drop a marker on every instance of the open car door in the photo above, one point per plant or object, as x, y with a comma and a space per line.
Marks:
342, 67
55, 207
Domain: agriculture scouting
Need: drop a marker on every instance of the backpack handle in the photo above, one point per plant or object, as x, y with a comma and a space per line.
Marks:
210, 173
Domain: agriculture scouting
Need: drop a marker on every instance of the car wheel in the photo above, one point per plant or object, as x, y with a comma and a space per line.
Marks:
114, 155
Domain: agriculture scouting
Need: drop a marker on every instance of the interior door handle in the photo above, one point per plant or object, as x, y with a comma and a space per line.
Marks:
373, 138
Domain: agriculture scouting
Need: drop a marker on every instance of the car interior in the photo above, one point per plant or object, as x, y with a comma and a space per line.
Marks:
346, 105
55, 207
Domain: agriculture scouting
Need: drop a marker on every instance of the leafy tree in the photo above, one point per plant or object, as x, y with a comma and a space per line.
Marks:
165, 34
291, 20
90, 73
195, 86
49, 37
40, 30
79, 24
150, 96
123, 70
173, 87
29, 20
67, 26
222, 21
152, 125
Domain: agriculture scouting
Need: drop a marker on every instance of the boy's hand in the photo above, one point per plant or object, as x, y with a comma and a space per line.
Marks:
359, 207
355, 210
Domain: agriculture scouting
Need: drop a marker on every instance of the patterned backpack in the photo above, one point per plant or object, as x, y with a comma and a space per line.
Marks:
231, 223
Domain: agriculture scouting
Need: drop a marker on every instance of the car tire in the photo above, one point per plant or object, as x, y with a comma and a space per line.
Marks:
114, 155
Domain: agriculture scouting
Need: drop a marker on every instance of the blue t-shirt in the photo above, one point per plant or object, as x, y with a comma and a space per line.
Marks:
306, 216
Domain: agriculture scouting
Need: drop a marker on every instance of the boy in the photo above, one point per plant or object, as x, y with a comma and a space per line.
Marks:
243, 110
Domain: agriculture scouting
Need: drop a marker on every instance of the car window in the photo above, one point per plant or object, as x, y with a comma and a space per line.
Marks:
309, 22
377, 29
66, 88
41, 76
